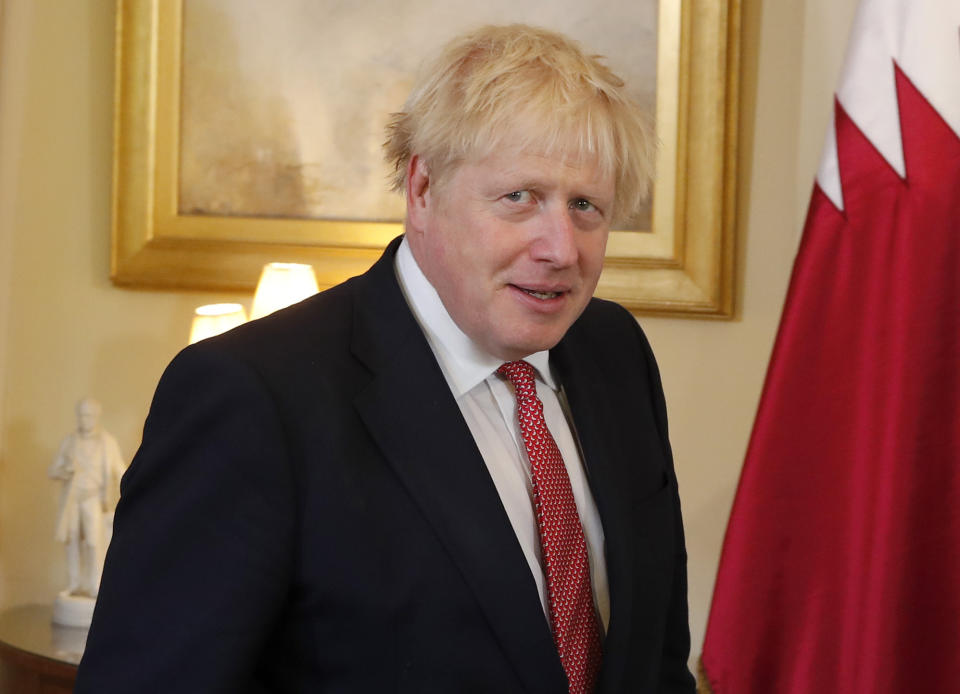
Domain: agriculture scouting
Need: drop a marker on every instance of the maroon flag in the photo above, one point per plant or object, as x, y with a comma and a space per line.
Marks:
840, 570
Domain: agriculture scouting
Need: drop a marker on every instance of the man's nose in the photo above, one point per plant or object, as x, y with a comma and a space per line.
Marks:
556, 238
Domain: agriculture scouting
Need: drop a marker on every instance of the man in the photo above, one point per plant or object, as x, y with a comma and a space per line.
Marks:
450, 474
90, 465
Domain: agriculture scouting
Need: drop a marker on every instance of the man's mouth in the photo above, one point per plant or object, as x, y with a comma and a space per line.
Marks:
542, 295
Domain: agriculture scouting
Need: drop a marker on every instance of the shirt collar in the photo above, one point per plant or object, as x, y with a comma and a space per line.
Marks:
463, 361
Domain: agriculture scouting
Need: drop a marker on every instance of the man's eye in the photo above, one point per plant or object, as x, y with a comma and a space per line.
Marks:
518, 196
582, 205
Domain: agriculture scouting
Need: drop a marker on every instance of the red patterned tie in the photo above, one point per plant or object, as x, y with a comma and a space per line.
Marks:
576, 632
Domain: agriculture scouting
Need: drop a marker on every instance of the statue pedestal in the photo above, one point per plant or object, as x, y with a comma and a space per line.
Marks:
73, 610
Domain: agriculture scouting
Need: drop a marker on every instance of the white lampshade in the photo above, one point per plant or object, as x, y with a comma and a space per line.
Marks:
214, 319
282, 284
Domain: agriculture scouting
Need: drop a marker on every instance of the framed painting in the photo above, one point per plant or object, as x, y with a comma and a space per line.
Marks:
249, 132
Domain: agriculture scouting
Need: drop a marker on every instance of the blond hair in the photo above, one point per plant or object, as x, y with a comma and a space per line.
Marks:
528, 87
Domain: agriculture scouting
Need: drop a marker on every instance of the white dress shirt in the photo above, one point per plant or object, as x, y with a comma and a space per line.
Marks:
490, 409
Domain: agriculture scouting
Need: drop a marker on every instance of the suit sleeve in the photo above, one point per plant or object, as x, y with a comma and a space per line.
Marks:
675, 675
200, 562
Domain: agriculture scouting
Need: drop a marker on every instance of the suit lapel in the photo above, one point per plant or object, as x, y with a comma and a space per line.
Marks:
596, 421
412, 415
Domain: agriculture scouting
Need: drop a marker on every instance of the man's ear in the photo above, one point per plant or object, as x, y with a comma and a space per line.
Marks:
418, 193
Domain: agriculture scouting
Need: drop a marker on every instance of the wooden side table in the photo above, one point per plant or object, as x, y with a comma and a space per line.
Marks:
36, 656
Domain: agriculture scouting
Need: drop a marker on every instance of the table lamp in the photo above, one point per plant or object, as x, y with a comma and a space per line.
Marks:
280, 285
214, 319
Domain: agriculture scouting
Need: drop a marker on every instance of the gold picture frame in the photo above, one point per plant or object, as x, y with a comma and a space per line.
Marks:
682, 266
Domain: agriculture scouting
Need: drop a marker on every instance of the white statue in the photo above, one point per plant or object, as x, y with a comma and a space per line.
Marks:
90, 465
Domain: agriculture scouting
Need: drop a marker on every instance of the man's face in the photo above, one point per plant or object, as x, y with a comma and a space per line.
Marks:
513, 244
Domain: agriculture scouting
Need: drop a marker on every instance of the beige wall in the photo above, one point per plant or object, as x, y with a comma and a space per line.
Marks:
6, 240
66, 332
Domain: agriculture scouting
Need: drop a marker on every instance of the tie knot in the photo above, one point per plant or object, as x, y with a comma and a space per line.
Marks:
521, 375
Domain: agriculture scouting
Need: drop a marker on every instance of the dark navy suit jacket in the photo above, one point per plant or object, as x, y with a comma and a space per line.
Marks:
308, 512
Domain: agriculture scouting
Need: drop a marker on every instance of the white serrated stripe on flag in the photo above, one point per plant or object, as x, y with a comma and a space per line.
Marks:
884, 32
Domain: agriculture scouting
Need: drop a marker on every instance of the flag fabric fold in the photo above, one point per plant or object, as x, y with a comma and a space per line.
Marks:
840, 569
